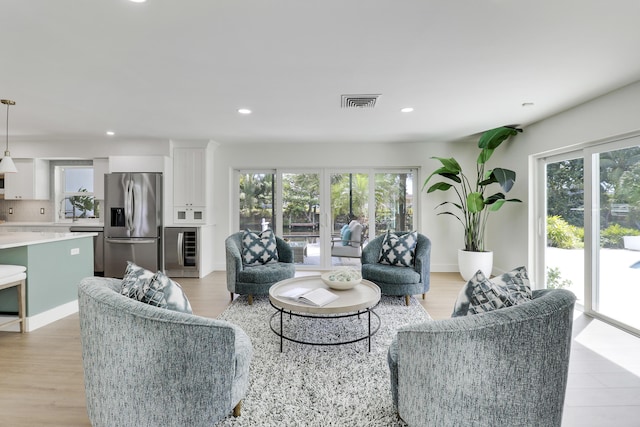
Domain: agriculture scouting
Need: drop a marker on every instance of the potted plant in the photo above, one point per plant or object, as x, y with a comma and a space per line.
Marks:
472, 205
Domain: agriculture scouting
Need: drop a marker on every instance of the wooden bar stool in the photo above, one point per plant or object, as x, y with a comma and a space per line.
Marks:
14, 276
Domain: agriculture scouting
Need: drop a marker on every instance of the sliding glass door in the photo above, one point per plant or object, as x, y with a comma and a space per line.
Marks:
394, 201
616, 193
349, 202
256, 199
309, 208
564, 218
590, 214
301, 214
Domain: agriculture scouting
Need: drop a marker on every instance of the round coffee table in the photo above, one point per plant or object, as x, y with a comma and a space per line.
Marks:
361, 299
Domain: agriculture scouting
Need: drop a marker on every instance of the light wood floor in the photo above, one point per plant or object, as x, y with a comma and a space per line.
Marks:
41, 379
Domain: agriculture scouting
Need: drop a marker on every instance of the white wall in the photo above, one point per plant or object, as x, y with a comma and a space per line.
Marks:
612, 115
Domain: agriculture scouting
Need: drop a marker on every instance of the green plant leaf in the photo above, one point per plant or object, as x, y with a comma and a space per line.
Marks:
452, 177
457, 205
492, 138
505, 177
453, 215
445, 172
449, 163
498, 203
485, 154
442, 186
475, 202
494, 198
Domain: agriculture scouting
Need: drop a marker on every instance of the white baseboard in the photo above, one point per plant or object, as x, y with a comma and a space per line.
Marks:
50, 316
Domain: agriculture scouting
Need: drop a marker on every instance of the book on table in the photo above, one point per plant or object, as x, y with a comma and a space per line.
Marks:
318, 297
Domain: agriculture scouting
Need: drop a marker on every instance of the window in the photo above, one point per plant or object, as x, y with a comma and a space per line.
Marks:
74, 192
590, 216
309, 207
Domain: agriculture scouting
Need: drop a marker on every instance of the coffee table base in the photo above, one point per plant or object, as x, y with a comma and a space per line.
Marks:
280, 331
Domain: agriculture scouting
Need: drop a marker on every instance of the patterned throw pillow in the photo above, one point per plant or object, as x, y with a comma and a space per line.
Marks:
517, 284
172, 294
156, 289
480, 294
135, 277
399, 250
260, 248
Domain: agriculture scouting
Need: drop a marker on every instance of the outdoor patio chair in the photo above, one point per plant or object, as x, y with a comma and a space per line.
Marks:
349, 244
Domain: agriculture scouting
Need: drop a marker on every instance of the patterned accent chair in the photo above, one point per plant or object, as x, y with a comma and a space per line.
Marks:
506, 367
151, 366
394, 280
256, 279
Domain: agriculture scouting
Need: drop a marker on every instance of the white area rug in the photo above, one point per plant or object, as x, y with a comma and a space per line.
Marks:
319, 385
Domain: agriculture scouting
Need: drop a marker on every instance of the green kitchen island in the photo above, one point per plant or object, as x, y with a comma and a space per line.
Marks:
55, 264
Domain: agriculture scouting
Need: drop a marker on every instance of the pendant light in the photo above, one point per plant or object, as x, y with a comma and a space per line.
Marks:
6, 164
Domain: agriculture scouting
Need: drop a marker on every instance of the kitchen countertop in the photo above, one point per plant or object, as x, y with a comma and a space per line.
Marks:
17, 239
50, 224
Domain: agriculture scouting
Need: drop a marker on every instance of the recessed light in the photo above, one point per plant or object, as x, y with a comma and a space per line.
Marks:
110, 133
137, 1
407, 109
244, 111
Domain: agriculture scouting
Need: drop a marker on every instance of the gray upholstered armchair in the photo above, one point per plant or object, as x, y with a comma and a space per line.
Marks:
394, 280
256, 280
507, 367
150, 366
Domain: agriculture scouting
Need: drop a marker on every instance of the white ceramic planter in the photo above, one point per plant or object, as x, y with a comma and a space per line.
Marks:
470, 262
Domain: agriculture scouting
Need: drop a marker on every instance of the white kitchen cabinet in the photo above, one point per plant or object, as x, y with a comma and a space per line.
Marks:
189, 185
31, 182
100, 167
189, 214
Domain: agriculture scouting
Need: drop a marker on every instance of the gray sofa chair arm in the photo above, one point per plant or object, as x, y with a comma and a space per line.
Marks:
285, 253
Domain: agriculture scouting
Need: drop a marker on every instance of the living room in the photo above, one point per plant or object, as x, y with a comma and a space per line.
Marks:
590, 116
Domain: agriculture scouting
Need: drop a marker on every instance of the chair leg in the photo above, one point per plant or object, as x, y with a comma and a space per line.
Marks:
237, 408
250, 299
231, 296
424, 295
406, 299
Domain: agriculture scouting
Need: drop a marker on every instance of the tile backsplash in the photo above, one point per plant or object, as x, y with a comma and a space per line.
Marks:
26, 210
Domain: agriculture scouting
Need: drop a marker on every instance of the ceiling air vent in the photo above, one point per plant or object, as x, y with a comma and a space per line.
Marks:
359, 101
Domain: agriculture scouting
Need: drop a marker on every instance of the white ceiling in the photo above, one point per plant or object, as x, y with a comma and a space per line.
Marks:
180, 69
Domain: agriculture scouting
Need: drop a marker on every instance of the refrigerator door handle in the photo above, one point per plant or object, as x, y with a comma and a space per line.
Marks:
127, 205
130, 241
180, 251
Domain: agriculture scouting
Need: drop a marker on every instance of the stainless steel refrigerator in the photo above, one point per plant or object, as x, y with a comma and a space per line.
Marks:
133, 222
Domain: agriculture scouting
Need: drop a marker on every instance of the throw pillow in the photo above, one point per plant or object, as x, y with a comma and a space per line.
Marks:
134, 278
480, 294
399, 250
171, 292
259, 248
156, 289
517, 284
346, 236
